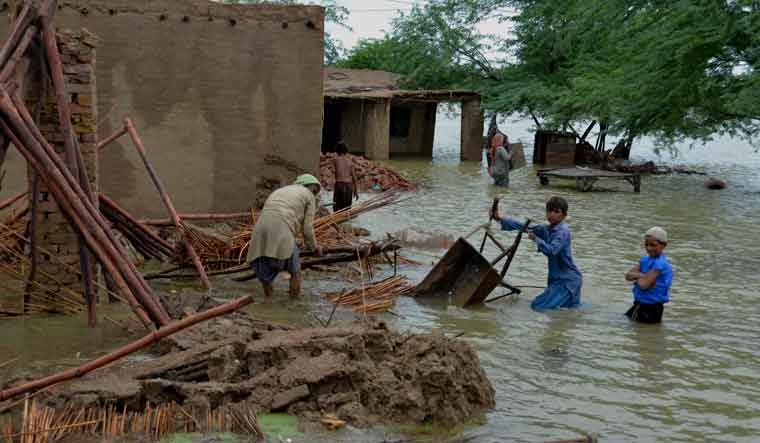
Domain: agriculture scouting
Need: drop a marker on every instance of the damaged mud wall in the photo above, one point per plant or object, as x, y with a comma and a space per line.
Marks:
54, 233
472, 131
213, 89
413, 128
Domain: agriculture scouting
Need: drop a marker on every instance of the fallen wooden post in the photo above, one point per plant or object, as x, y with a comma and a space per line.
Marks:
64, 189
74, 159
9, 201
10, 67
144, 240
111, 138
331, 258
182, 230
152, 337
197, 217
81, 199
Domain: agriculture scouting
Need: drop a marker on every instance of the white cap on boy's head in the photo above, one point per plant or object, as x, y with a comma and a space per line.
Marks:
658, 234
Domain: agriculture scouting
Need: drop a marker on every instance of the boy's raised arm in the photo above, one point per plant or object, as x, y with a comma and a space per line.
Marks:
554, 246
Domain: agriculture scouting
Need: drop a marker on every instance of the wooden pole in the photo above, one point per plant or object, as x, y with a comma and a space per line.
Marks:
55, 179
197, 217
111, 138
12, 63
34, 253
162, 247
147, 340
9, 201
73, 155
168, 203
81, 201
20, 24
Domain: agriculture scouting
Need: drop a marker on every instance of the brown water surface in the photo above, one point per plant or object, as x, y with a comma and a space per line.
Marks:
560, 374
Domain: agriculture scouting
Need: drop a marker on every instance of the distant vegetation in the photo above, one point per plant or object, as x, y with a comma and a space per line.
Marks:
673, 70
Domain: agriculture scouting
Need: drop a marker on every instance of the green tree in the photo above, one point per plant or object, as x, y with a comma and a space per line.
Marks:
672, 69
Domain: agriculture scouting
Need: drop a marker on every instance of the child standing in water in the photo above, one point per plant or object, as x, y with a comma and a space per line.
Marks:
652, 278
554, 241
345, 179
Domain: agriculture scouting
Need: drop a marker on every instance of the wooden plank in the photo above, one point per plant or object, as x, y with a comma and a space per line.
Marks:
578, 172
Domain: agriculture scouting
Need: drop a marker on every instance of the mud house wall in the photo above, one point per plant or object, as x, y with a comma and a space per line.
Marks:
414, 136
358, 116
377, 118
353, 125
227, 98
471, 137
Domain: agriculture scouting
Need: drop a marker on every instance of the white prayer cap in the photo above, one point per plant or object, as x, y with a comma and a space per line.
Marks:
658, 234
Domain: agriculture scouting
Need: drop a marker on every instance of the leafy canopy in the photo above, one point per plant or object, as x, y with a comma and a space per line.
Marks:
672, 69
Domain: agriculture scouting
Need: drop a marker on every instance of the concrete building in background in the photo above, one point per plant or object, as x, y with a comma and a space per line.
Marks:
227, 98
368, 111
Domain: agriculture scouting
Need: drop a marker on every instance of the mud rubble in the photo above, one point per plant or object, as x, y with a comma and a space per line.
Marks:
364, 374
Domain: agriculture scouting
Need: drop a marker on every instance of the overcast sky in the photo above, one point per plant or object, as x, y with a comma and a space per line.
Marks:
370, 18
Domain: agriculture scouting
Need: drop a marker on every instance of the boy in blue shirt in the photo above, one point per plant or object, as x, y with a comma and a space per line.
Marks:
554, 241
651, 279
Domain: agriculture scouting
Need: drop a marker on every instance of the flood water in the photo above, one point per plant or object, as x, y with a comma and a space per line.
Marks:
567, 373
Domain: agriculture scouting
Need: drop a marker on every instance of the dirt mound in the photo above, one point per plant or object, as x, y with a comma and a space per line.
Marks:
368, 174
362, 374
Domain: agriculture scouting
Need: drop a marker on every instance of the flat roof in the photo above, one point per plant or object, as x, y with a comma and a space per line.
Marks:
369, 84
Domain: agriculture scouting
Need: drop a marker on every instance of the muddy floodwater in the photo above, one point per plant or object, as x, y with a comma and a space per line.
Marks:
561, 374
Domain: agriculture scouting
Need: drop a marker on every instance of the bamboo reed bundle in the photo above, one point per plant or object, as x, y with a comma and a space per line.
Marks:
376, 297
43, 424
145, 241
326, 228
329, 235
54, 297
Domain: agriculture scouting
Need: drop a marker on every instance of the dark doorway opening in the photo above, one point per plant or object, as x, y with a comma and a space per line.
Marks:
401, 120
331, 127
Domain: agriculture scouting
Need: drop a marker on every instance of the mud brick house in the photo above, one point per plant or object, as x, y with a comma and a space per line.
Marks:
375, 118
227, 98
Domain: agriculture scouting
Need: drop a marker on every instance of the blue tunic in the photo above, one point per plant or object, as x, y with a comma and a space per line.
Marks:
565, 279
660, 292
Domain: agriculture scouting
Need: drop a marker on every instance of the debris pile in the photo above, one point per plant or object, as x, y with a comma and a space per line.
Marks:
371, 176
360, 374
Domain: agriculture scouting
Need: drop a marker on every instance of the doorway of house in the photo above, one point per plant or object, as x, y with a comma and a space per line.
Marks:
331, 127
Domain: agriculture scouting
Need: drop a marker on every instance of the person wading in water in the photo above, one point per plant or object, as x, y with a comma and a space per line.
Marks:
273, 246
499, 169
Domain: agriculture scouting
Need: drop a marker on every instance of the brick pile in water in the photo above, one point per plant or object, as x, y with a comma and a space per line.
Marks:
370, 175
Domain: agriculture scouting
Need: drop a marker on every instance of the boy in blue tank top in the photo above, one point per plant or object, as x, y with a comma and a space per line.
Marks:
651, 279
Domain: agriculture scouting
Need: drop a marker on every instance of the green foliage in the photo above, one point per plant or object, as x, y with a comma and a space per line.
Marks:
672, 69
434, 46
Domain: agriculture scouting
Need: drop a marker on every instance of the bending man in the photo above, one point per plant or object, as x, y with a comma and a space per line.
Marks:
273, 245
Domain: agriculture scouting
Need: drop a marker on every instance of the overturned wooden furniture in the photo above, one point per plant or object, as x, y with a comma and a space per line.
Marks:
586, 177
466, 275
